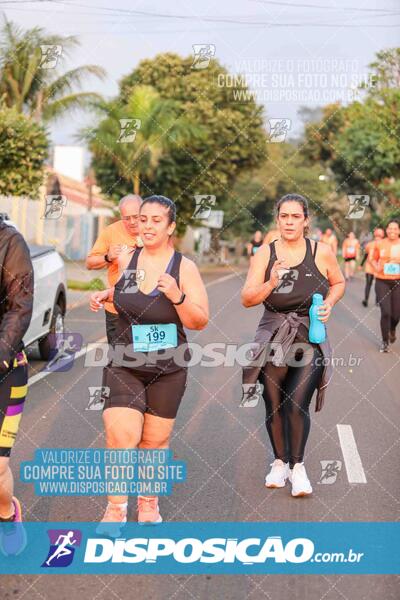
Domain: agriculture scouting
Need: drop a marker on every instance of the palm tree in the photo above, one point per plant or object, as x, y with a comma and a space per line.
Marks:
136, 134
26, 81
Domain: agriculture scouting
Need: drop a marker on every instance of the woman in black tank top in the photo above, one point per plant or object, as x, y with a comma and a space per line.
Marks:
283, 276
158, 294
297, 283
138, 308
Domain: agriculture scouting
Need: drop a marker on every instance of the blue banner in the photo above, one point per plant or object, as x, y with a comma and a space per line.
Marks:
198, 548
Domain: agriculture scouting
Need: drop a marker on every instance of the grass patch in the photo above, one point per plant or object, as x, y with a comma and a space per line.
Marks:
91, 286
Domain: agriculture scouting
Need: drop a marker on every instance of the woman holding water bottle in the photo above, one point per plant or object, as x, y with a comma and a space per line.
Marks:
158, 294
291, 357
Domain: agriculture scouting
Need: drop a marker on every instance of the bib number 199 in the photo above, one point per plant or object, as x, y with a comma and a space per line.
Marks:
155, 335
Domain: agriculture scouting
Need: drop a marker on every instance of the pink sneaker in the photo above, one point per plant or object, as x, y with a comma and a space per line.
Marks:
115, 517
148, 512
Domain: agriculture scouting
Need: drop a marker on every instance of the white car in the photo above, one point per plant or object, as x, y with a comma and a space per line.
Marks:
49, 297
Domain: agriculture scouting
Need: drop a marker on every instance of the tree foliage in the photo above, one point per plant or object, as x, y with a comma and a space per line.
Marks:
359, 143
284, 171
152, 126
23, 150
233, 139
30, 84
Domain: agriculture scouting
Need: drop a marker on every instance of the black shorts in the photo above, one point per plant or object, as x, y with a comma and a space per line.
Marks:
349, 259
13, 388
158, 394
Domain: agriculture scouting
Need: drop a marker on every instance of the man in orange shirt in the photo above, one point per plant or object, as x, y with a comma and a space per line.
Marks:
113, 240
387, 273
379, 234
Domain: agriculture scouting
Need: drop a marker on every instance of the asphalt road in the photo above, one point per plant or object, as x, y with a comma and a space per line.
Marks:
227, 454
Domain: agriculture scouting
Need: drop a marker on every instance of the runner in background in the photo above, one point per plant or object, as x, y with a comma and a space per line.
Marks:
316, 235
255, 243
118, 238
328, 237
350, 253
387, 273
114, 239
379, 234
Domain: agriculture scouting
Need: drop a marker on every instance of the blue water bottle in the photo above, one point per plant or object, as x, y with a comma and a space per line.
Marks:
316, 333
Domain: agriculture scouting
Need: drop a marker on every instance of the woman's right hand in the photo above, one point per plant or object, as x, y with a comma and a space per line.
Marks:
97, 300
274, 275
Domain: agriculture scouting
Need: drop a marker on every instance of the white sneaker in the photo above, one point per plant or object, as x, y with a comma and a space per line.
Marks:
277, 476
301, 485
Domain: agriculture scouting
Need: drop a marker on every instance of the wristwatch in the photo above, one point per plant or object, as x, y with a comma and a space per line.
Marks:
182, 298
107, 259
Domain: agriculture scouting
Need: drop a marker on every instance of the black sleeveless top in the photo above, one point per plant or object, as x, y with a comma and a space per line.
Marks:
137, 308
296, 288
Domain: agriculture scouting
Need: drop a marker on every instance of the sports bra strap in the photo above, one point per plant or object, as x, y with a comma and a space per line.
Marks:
315, 249
176, 266
133, 262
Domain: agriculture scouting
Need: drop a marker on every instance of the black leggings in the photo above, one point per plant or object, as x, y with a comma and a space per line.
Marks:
388, 294
369, 278
287, 395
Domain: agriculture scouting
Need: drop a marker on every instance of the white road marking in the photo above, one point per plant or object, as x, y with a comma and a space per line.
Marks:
38, 376
351, 456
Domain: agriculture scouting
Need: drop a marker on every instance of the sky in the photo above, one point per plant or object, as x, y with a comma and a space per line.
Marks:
292, 54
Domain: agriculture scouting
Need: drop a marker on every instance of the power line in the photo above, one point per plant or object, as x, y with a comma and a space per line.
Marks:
207, 18
259, 22
323, 6
155, 16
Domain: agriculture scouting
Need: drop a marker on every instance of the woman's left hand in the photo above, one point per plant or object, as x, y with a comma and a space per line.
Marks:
167, 285
324, 311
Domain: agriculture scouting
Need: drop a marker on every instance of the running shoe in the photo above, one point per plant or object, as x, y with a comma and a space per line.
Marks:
301, 485
384, 347
277, 476
392, 336
364, 303
12, 533
148, 511
115, 517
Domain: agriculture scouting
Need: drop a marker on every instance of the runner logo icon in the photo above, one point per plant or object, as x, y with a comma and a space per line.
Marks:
252, 392
62, 547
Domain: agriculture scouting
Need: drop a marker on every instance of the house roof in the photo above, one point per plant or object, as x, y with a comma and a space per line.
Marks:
75, 191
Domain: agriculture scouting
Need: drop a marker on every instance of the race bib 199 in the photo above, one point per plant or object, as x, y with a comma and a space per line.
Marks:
150, 338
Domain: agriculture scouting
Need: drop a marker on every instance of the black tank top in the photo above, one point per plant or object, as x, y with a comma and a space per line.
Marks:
296, 288
137, 308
